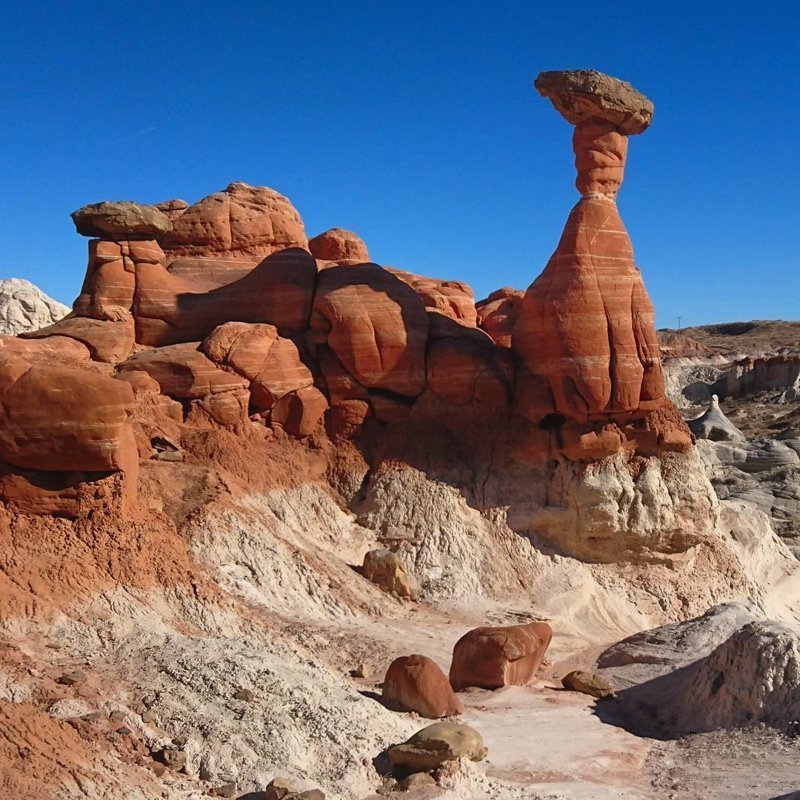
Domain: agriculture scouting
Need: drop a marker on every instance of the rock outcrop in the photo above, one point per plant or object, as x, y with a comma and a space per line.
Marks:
219, 316
241, 222
24, 307
726, 669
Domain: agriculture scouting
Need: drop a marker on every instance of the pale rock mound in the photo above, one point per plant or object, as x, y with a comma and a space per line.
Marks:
725, 669
714, 425
24, 307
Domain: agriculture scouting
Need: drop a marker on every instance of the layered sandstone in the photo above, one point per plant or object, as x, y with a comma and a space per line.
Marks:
585, 328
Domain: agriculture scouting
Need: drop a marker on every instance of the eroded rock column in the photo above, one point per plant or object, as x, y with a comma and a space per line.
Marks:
586, 324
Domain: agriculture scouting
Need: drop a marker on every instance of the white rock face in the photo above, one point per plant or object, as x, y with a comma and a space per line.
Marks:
618, 510
725, 669
24, 307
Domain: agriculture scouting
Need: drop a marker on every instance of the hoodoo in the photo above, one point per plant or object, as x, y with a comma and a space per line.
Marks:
585, 327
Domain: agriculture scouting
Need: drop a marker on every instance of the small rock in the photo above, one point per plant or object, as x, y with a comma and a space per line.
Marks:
124, 731
385, 569
246, 695
433, 746
226, 790
149, 716
311, 794
117, 716
359, 672
174, 759
158, 768
72, 678
94, 716
417, 780
588, 683
279, 788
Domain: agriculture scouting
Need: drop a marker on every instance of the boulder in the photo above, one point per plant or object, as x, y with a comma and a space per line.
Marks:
416, 683
580, 95
375, 325
492, 657
337, 244
437, 744
299, 412
498, 313
24, 307
107, 340
121, 220
183, 372
588, 683
270, 363
55, 417
242, 221
385, 569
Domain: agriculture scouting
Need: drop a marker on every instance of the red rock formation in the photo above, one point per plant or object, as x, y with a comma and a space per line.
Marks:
499, 656
586, 324
248, 222
340, 246
183, 372
454, 299
466, 368
497, 314
171, 308
300, 412
376, 326
271, 364
415, 683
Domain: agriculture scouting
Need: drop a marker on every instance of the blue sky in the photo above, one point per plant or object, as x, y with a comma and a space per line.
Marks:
415, 124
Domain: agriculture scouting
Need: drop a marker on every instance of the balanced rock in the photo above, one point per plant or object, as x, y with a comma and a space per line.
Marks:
121, 220
337, 244
24, 307
385, 569
437, 744
242, 221
416, 683
587, 683
492, 657
586, 326
584, 94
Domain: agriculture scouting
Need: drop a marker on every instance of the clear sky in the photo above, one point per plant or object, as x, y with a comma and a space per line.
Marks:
415, 124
